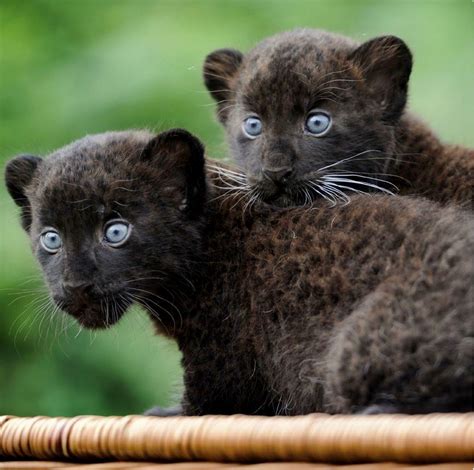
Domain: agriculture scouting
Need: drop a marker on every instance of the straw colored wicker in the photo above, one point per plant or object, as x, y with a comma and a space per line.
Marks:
420, 439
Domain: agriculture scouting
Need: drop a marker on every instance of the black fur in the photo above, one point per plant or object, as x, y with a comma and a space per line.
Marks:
361, 308
374, 144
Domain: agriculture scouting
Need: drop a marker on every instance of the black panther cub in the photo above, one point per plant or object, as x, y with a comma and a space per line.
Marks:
311, 114
360, 308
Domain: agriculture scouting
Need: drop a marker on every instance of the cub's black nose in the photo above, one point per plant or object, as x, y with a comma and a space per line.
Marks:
79, 289
277, 175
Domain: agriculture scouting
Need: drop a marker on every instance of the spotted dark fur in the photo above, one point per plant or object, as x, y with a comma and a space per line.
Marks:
364, 89
357, 308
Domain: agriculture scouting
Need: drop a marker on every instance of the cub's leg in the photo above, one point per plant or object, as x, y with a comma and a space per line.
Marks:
408, 348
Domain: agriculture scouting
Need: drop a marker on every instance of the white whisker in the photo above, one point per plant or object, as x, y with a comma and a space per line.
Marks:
333, 179
356, 175
347, 159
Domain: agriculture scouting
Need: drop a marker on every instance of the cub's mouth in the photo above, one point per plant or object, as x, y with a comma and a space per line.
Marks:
282, 199
98, 314
282, 195
335, 188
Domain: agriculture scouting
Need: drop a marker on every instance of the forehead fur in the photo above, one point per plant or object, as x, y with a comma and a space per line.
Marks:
90, 173
293, 63
104, 156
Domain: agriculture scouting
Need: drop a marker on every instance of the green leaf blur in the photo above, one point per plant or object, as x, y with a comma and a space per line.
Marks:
73, 67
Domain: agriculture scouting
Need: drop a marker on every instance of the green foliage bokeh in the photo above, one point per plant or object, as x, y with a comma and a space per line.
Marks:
72, 67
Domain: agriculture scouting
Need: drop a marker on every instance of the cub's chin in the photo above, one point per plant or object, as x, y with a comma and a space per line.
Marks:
98, 316
282, 195
283, 198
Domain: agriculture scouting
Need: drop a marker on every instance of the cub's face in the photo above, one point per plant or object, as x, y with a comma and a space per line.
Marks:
113, 219
310, 114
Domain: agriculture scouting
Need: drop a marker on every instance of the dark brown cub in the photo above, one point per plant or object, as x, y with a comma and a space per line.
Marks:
311, 114
276, 311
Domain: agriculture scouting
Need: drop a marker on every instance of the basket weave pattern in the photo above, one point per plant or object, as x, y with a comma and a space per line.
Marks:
313, 438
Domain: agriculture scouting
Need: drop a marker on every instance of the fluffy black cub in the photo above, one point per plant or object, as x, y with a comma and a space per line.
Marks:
101, 214
357, 308
311, 114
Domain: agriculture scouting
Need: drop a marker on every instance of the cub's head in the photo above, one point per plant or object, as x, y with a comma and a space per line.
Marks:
311, 114
113, 219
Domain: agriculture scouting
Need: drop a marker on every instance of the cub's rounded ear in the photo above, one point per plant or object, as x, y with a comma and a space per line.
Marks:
220, 71
18, 175
179, 158
386, 64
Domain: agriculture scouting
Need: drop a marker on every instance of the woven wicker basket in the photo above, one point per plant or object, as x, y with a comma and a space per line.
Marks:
117, 442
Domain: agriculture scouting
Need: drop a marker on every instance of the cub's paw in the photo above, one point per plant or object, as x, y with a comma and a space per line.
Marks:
378, 409
176, 410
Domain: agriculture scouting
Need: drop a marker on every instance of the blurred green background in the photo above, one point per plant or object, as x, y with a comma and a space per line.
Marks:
69, 68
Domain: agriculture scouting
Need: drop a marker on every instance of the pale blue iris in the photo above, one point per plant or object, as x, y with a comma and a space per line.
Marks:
116, 233
51, 241
253, 127
318, 123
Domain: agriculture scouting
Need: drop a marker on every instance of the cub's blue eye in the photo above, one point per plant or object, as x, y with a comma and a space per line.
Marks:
318, 123
252, 127
51, 241
117, 233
